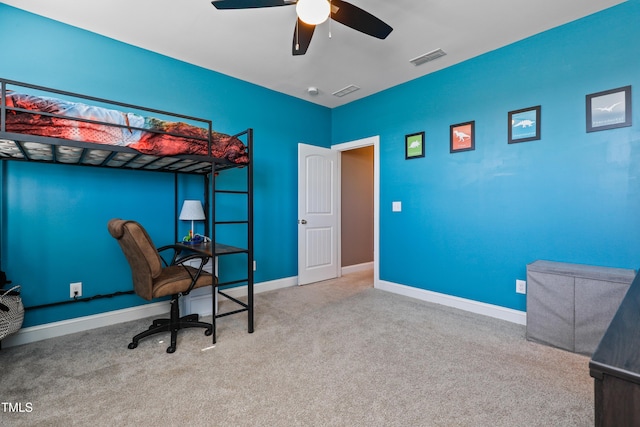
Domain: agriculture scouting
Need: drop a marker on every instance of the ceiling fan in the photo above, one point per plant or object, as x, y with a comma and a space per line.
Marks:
314, 12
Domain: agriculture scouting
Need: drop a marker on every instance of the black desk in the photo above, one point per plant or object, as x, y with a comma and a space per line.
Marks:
206, 248
214, 251
615, 365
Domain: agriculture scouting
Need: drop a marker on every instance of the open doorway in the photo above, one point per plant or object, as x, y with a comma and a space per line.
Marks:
356, 201
373, 143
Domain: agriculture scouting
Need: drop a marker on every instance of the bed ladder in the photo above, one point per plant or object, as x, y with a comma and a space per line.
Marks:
245, 251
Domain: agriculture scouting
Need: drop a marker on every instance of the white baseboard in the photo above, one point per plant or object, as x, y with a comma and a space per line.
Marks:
79, 324
271, 285
201, 302
496, 311
357, 267
85, 323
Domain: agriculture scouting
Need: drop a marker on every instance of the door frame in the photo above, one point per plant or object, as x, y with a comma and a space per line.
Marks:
350, 145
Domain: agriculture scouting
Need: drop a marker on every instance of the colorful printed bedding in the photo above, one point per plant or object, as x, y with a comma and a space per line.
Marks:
147, 135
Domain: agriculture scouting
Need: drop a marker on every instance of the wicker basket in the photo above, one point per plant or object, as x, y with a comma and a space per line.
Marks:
11, 311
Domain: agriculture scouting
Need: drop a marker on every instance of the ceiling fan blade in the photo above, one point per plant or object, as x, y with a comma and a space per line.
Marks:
250, 4
302, 34
358, 19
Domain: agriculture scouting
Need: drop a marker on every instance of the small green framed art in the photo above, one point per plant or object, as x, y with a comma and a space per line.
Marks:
414, 145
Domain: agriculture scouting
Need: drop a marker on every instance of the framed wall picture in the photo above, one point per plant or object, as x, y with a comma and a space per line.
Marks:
414, 145
462, 137
524, 125
609, 109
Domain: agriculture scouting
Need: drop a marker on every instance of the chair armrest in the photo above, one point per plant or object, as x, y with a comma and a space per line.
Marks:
176, 260
203, 259
194, 277
176, 251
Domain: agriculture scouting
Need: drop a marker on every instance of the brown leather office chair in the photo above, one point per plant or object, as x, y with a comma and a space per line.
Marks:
153, 278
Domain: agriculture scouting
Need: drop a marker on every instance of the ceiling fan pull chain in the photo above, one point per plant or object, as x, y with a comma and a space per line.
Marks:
297, 35
330, 20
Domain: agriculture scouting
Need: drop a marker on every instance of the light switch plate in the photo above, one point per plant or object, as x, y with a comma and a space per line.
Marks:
396, 206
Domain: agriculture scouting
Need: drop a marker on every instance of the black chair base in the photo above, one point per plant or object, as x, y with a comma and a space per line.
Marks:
174, 324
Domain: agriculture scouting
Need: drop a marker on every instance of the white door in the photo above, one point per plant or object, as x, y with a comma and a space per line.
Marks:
318, 201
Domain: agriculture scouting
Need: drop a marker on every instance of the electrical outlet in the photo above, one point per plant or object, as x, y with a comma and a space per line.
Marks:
75, 290
521, 286
255, 265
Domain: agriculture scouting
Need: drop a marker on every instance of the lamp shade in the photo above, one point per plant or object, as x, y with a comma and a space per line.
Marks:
192, 211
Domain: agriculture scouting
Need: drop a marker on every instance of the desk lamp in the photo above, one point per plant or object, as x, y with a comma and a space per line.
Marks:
192, 211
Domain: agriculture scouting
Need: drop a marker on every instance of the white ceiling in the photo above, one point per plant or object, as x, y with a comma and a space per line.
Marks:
255, 45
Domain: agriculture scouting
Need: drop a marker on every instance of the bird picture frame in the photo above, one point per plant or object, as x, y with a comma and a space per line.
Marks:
609, 109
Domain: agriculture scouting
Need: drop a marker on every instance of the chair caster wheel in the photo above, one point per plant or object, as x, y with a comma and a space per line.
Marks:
171, 349
132, 345
208, 332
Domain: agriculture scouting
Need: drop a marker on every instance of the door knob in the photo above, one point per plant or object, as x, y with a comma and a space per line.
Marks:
304, 221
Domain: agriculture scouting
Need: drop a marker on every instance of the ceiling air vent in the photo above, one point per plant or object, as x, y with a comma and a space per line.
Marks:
345, 91
430, 56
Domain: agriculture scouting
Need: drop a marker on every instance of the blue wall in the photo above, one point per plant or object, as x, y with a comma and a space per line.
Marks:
472, 221
55, 216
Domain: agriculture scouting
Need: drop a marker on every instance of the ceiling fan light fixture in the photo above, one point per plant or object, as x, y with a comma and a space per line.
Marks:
313, 12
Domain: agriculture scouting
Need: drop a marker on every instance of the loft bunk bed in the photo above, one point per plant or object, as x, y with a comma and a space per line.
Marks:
45, 125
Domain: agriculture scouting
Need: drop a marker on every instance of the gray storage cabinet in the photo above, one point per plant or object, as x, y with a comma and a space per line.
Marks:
570, 306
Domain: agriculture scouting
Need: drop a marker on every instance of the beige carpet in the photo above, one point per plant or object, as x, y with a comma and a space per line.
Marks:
336, 353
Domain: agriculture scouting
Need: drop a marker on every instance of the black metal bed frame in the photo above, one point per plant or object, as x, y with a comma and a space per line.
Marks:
120, 157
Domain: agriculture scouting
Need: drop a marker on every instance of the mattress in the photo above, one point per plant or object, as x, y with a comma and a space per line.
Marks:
56, 118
